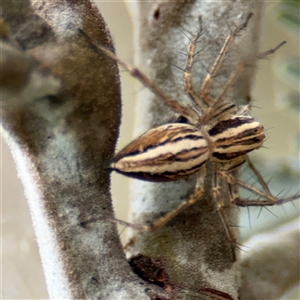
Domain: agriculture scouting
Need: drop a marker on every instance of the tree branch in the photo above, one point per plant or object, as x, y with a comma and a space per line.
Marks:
192, 250
266, 257
60, 110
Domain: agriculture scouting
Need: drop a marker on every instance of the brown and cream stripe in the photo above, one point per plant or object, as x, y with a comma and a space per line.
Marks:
166, 153
235, 137
174, 151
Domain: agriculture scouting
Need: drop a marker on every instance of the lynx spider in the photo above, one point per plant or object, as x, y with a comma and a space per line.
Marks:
208, 107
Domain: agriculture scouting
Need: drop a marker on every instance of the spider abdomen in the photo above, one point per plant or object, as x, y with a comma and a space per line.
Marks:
166, 153
235, 137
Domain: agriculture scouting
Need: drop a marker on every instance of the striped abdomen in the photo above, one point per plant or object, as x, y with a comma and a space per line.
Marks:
166, 153
235, 137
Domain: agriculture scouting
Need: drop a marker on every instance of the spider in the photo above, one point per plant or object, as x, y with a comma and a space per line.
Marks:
216, 131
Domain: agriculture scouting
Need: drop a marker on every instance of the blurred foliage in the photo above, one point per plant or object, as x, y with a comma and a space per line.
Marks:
288, 14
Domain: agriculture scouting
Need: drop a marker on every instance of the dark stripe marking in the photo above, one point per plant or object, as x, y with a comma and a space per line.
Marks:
138, 151
162, 177
225, 125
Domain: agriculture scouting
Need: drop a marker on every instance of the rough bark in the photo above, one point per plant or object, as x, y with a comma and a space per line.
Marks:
60, 112
192, 250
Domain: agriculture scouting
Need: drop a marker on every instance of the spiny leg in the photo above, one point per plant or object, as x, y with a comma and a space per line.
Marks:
216, 184
240, 69
208, 81
193, 198
189, 64
187, 112
160, 221
174, 212
259, 177
269, 198
233, 78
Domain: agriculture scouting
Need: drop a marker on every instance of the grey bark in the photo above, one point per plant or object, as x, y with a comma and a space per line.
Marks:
60, 111
192, 249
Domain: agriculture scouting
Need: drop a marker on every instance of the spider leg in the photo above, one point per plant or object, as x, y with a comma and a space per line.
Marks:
193, 198
269, 199
188, 68
174, 212
187, 112
160, 222
233, 78
208, 81
259, 177
216, 183
219, 112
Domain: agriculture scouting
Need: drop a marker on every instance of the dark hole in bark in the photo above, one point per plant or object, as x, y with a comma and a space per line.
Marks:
156, 14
